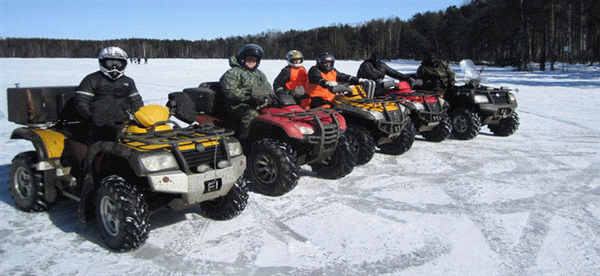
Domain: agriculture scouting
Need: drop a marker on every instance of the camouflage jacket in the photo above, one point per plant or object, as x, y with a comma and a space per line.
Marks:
436, 75
237, 83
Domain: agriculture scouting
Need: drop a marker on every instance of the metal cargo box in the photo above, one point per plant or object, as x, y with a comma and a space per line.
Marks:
38, 105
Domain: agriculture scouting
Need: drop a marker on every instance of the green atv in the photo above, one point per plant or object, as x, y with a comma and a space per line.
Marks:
153, 163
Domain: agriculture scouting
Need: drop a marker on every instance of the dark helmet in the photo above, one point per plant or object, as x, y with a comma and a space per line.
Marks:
113, 61
250, 50
322, 59
375, 57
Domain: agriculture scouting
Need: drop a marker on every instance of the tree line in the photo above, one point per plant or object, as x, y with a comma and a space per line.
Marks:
502, 32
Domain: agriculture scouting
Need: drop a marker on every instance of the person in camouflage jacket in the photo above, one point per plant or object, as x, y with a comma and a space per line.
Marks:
435, 74
239, 83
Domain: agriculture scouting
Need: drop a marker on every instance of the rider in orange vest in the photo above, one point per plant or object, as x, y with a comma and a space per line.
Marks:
322, 78
293, 75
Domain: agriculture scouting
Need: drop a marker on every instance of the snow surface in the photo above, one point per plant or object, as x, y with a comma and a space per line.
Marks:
527, 204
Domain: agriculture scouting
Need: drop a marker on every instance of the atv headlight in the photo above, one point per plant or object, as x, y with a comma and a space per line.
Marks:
234, 147
378, 115
159, 162
305, 130
512, 97
419, 106
480, 99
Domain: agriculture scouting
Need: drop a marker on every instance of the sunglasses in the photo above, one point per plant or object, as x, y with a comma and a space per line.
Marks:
117, 63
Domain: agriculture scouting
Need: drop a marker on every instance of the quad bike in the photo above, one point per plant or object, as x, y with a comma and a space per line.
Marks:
474, 105
281, 139
428, 110
153, 163
373, 121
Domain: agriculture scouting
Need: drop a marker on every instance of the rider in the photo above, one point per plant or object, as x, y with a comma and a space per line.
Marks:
375, 69
436, 74
322, 78
238, 83
293, 75
107, 98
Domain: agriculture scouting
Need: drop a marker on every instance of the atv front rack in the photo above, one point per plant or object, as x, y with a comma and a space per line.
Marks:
174, 136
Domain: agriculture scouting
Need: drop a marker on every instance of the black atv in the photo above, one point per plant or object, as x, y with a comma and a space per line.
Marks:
153, 163
474, 105
281, 139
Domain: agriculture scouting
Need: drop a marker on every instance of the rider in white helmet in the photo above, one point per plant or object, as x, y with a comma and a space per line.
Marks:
293, 75
107, 97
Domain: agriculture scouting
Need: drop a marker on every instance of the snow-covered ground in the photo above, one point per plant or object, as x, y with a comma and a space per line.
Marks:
528, 204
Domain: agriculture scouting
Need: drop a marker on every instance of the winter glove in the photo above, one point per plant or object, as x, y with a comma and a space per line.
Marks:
330, 84
260, 95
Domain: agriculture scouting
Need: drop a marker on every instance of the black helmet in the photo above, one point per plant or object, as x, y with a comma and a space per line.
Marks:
375, 57
322, 59
252, 50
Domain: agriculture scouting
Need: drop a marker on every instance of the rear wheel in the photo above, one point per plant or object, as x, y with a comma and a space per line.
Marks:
441, 131
507, 126
403, 142
272, 167
122, 214
466, 124
26, 184
361, 143
339, 164
229, 205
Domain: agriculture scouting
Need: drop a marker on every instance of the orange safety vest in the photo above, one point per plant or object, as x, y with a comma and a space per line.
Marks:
298, 77
315, 90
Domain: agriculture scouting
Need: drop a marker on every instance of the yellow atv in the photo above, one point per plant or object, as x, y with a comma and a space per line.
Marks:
153, 163
372, 121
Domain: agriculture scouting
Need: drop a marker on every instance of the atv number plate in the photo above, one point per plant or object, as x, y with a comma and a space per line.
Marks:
212, 185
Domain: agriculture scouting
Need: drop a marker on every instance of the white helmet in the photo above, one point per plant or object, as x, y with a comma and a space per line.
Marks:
293, 55
113, 61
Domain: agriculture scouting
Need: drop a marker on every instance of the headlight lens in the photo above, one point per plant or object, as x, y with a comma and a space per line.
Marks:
378, 115
480, 99
305, 130
234, 148
158, 162
512, 97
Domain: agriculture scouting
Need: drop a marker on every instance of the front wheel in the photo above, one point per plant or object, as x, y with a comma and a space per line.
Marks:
466, 124
361, 143
229, 205
507, 126
339, 164
122, 214
441, 131
272, 167
26, 185
403, 142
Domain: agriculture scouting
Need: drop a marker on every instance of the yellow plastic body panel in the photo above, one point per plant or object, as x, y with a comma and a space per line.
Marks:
54, 141
358, 93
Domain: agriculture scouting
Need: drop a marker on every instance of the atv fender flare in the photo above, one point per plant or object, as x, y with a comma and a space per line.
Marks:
48, 144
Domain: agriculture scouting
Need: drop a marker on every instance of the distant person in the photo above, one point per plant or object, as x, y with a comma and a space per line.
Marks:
322, 77
293, 76
107, 97
375, 69
436, 74
238, 83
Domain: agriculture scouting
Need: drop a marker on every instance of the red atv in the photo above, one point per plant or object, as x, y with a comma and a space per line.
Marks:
280, 140
428, 110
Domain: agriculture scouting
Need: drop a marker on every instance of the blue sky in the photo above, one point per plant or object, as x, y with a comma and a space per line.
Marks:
193, 20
